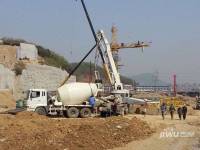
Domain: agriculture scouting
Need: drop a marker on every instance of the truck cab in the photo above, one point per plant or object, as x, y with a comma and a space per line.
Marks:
36, 98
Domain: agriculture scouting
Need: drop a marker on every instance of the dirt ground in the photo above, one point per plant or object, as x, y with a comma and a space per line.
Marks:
30, 131
191, 140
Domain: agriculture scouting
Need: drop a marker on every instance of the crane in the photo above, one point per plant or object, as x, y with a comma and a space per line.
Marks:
115, 46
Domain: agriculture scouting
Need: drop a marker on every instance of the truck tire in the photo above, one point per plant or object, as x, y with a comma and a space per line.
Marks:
41, 111
72, 112
85, 112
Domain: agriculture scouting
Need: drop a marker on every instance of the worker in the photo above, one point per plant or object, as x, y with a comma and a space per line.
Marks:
92, 102
184, 111
172, 110
179, 111
145, 109
163, 109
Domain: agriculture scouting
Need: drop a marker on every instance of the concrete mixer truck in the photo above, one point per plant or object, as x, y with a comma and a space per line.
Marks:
71, 100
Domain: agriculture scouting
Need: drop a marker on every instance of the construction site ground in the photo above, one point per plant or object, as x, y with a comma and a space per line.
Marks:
191, 126
28, 130
31, 131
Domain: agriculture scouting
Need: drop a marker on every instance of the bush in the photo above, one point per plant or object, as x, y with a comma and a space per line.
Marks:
43, 52
13, 41
52, 59
19, 67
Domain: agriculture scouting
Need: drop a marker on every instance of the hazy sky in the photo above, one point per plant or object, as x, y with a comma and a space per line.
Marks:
173, 27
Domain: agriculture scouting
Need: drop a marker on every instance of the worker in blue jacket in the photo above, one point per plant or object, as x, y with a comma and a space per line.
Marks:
92, 102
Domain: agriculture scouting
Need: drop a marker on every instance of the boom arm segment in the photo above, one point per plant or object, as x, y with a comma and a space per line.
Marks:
105, 45
96, 45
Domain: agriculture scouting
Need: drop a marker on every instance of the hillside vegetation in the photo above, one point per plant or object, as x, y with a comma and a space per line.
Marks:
50, 57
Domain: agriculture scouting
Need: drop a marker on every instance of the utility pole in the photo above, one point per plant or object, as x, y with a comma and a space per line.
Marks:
156, 74
174, 85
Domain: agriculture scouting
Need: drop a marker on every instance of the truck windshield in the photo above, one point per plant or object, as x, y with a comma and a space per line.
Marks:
35, 94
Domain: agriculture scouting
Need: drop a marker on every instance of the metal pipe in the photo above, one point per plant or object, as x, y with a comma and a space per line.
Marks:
72, 72
92, 29
89, 20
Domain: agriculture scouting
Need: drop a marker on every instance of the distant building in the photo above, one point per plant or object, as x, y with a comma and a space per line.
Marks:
1, 42
153, 88
27, 51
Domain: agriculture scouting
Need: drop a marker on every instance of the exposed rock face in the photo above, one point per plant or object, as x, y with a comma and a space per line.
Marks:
41, 76
7, 78
34, 76
8, 55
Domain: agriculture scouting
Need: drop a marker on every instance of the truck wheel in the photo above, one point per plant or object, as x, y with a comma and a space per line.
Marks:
85, 112
41, 111
72, 112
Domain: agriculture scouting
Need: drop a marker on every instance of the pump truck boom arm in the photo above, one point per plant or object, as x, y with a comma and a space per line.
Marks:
72, 72
92, 29
96, 45
112, 69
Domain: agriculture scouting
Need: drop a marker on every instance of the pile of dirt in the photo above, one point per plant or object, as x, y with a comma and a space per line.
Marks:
6, 100
31, 131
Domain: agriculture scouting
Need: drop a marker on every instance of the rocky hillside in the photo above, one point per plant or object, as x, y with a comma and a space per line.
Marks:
50, 58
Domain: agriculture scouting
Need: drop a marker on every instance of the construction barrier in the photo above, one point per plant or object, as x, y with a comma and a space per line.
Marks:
177, 102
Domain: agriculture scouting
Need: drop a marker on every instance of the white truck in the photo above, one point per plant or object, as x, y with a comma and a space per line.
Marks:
71, 100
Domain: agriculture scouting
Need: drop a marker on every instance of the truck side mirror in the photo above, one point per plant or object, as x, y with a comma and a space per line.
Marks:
30, 96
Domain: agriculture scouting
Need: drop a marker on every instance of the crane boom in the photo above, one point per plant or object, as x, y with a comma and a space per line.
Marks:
116, 47
105, 46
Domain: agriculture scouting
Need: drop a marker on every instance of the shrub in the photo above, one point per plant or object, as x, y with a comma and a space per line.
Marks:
19, 67
52, 59
13, 41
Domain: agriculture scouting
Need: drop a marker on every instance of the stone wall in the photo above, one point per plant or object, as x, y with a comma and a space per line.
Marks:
8, 55
7, 78
40, 76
